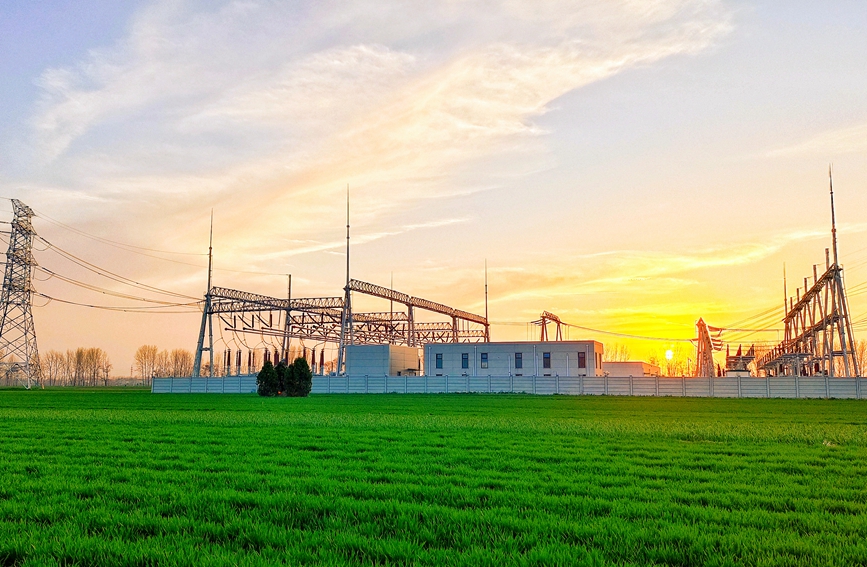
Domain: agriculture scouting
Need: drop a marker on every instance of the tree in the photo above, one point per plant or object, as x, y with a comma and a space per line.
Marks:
163, 364
53, 367
283, 371
181, 362
617, 352
266, 380
299, 378
861, 356
146, 361
103, 365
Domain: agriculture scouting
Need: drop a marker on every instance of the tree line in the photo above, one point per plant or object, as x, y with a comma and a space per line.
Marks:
79, 367
151, 362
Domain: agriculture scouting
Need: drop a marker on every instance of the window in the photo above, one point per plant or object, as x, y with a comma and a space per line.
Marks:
484, 361
465, 360
439, 361
582, 360
546, 360
519, 360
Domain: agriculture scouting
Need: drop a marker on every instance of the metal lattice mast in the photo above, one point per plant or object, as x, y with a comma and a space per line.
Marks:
17, 333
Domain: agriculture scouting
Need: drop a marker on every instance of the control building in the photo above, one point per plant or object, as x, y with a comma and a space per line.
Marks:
382, 360
544, 358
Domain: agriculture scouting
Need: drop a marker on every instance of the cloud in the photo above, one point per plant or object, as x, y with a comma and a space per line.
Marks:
264, 110
253, 103
832, 143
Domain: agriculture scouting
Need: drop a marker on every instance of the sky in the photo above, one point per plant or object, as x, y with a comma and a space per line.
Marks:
630, 166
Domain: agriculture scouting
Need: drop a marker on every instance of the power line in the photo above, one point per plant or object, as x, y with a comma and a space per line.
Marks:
111, 275
141, 250
103, 290
115, 243
152, 310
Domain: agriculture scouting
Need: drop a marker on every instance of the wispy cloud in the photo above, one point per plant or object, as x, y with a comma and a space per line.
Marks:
280, 118
264, 110
828, 144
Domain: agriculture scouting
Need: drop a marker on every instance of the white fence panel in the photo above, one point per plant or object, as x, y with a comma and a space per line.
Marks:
744, 387
725, 387
783, 387
842, 388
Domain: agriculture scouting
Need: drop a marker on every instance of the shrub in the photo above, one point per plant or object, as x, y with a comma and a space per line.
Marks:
299, 379
266, 380
283, 371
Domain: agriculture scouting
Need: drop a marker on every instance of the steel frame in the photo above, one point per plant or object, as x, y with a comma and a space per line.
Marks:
329, 319
818, 332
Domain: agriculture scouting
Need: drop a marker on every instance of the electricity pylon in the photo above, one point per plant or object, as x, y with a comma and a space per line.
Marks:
17, 333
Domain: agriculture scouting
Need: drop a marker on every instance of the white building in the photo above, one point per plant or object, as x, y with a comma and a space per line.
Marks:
382, 360
630, 368
551, 358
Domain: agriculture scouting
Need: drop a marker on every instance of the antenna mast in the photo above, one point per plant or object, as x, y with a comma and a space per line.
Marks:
833, 217
206, 315
346, 318
487, 325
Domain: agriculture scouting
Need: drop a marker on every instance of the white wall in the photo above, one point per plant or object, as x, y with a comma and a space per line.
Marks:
739, 387
380, 360
630, 368
501, 358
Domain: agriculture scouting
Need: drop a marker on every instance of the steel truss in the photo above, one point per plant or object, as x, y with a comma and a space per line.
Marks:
543, 320
705, 345
17, 333
321, 319
818, 333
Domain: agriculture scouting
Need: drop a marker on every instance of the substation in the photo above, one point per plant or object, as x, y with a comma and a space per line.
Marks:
399, 349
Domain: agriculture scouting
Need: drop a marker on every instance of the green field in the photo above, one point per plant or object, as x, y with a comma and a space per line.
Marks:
130, 478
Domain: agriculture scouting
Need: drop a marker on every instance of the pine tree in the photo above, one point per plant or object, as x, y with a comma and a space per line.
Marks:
266, 380
300, 378
283, 370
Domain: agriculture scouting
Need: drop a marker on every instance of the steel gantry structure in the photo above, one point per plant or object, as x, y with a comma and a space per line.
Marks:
321, 319
543, 320
818, 332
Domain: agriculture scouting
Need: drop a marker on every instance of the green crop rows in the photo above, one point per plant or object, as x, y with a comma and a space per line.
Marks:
132, 478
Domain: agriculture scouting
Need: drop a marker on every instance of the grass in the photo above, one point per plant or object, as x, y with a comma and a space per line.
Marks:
96, 477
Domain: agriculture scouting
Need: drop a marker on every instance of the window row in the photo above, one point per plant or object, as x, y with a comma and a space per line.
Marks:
519, 360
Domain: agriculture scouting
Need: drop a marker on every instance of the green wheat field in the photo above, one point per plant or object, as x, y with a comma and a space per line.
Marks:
97, 477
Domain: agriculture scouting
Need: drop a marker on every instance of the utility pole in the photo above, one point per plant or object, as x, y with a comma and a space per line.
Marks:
17, 333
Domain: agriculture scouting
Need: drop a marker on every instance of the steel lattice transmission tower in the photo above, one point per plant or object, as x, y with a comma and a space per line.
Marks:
17, 333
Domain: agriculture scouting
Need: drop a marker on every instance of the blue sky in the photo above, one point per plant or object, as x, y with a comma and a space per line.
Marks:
628, 165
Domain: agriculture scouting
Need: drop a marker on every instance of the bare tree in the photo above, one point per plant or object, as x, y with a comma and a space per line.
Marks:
861, 356
69, 368
104, 366
181, 362
675, 364
146, 361
617, 352
163, 364
52, 363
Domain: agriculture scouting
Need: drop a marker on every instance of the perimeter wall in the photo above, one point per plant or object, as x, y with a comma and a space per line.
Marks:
740, 387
